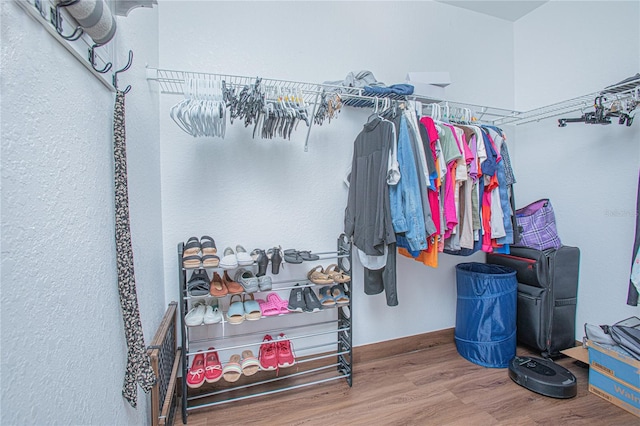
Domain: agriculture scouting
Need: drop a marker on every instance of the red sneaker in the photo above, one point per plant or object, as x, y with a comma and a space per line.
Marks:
212, 366
268, 354
195, 376
285, 352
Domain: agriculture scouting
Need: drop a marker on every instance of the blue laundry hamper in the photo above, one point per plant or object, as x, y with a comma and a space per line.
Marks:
485, 332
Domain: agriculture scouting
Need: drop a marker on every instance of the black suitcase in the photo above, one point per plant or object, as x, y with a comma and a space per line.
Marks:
547, 296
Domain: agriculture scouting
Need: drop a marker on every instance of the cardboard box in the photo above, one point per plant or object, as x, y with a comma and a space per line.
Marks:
615, 377
614, 364
578, 353
615, 391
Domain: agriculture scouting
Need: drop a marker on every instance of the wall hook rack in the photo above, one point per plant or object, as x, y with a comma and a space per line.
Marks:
92, 59
126, 67
56, 20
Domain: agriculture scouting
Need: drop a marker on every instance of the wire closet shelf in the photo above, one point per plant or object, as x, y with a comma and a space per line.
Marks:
173, 81
627, 90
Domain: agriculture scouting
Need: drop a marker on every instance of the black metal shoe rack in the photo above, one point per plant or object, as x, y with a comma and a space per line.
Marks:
321, 366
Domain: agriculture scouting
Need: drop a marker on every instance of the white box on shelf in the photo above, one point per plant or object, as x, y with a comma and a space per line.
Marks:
429, 84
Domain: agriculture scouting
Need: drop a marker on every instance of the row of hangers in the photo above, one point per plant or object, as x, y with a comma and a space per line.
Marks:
276, 111
329, 107
202, 113
284, 109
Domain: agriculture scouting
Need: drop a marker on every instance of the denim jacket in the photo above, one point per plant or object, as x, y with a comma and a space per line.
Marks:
405, 199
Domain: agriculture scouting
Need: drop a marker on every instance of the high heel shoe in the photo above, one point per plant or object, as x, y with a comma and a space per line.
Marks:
262, 261
276, 259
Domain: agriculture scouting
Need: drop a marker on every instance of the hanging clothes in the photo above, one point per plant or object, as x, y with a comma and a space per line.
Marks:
451, 192
368, 213
139, 369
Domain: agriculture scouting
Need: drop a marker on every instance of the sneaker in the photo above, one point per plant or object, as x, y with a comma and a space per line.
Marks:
247, 280
296, 300
265, 283
195, 375
195, 316
212, 315
285, 352
267, 354
229, 261
311, 300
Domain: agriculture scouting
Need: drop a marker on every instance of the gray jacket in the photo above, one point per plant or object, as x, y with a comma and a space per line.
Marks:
367, 216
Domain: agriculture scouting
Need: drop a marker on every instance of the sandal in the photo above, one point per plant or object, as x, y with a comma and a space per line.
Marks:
339, 296
252, 310
208, 245
190, 255
318, 276
243, 258
217, 287
212, 366
236, 314
210, 261
198, 284
307, 255
292, 256
191, 247
277, 301
250, 364
233, 370
336, 274
326, 299
268, 309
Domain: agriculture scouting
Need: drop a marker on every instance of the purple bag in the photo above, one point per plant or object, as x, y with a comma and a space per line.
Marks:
537, 225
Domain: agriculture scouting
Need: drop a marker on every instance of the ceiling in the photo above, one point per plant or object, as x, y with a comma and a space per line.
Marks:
511, 10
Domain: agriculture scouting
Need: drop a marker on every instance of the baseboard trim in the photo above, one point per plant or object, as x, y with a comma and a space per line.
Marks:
388, 348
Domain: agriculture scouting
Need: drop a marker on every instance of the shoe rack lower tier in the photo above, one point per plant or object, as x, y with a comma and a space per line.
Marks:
321, 341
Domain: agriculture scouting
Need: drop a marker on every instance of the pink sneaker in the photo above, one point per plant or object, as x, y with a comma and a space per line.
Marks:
285, 352
267, 355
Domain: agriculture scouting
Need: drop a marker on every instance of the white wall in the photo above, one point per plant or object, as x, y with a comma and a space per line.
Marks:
261, 193
590, 172
63, 346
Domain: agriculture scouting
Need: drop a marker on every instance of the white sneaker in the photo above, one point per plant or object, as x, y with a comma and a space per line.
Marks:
212, 315
195, 316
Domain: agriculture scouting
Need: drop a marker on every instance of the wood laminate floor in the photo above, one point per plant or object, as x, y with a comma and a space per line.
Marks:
434, 386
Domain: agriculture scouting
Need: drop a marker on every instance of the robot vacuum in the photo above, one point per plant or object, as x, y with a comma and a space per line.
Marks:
543, 376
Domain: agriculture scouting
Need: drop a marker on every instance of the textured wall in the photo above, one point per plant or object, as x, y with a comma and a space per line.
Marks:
261, 193
590, 172
63, 348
